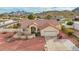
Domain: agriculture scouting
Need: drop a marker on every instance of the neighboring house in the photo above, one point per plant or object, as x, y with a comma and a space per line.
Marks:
67, 26
76, 18
76, 25
60, 19
46, 27
7, 23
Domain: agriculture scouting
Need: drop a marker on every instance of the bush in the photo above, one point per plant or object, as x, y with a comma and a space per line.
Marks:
48, 17
18, 24
68, 31
39, 17
38, 33
31, 16
15, 26
70, 23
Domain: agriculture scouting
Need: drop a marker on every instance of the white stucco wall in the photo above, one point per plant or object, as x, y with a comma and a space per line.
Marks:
58, 27
49, 31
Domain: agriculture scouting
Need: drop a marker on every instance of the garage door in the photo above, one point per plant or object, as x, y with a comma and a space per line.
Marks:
50, 33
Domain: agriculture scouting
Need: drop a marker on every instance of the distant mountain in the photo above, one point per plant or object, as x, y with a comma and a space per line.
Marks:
33, 9
19, 13
42, 12
76, 9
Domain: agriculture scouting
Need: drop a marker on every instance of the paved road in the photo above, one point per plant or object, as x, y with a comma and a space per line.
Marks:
1, 26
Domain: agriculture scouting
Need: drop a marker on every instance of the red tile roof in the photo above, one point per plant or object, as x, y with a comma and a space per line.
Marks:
40, 23
35, 44
76, 18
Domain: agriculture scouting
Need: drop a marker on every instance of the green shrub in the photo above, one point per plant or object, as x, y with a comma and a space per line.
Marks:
15, 26
68, 31
70, 23
38, 33
39, 17
31, 16
48, 17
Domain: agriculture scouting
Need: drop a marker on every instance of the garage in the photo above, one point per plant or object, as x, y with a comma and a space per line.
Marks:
49, 31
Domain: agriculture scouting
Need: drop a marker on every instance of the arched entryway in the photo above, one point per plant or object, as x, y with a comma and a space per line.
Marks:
33, 30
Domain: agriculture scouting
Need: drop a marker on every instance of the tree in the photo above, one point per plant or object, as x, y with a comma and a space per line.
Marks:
70, 23
16, 25
38, 17
48, 17
31, 16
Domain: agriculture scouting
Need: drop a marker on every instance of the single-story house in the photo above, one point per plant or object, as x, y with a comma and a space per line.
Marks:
67, 26
76, 18
60, 18
45, 27
76, 25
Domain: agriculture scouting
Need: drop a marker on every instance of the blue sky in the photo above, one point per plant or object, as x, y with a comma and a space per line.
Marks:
33, 9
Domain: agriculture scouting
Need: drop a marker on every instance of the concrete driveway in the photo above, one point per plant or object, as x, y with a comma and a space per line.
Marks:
53, 44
